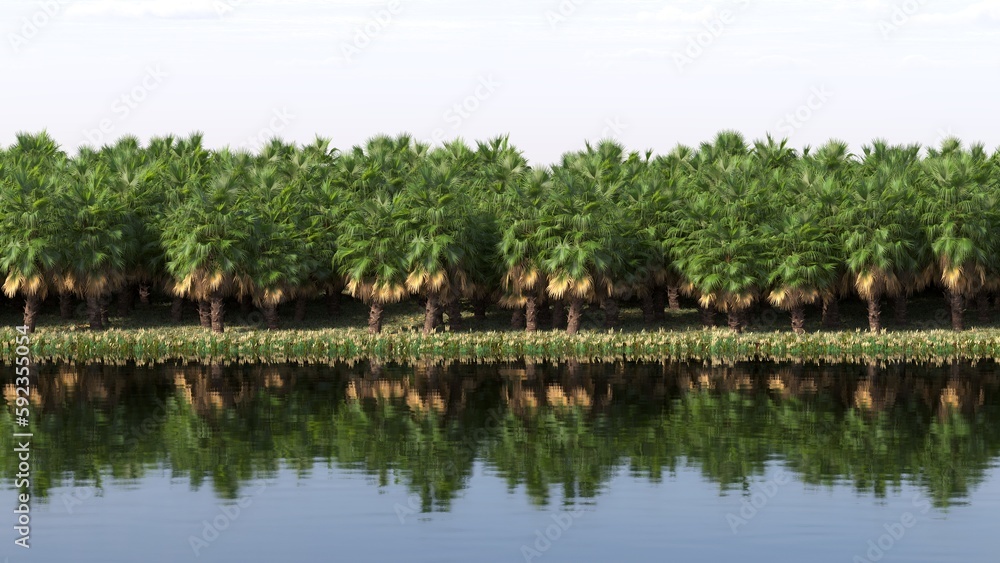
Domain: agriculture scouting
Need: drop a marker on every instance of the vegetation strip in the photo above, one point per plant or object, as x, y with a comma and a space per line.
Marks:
331, 345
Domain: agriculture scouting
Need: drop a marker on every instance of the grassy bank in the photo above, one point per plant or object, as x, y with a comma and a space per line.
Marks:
148, 336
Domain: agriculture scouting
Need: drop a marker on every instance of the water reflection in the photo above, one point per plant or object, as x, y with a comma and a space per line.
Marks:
539, 426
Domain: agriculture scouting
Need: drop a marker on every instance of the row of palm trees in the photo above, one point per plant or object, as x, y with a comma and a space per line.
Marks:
728, 223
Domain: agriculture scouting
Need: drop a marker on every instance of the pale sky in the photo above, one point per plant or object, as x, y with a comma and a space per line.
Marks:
551, 73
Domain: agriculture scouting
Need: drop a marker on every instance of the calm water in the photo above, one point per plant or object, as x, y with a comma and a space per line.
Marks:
474, 463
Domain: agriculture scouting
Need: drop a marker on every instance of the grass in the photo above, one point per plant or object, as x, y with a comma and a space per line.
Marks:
148, 336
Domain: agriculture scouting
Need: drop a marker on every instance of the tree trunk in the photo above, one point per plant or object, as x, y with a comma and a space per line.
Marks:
301, 305
479, 306
32, 304
874, 314
94, 312
659, 301
177, 309
144, 290
899, 309
375, 318
735, 320
455, 312
831, 311
957, 305
575, 316
517, 319
65, 305
218, 314
558, 314
610, 306
270, 313
432, 313
105, 305
648, 314
673, 297
799, 319
707, 316
983, 306
531, 314
205, 313
333, 303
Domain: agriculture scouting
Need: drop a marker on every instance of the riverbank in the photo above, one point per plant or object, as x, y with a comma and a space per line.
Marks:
148, 337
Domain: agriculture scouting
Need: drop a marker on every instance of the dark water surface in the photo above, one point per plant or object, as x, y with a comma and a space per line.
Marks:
482, 463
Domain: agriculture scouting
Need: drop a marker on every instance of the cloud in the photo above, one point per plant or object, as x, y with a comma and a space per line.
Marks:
164, 9
780, 61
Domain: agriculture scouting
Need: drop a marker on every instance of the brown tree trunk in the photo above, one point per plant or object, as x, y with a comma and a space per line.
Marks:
479, 306
874, 314
558, 314
531, 314
218, 314
673, 297
983, 306
659, 301
455, 312
575, 316
144, 290
375, 318
648, 314
899, 309
105, 305
610, 306
831, 311
177, 309
735, 320
65, 305
707, 316
301, 305
94, 312
517, 319
799, 319
32, 304
205, 313
270, 313
432, 313
957, 306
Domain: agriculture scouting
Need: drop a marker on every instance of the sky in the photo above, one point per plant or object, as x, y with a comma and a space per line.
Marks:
550, 73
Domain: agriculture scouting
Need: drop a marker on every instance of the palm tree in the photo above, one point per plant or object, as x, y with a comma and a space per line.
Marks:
205, 237
960, 218
30, 248
438, 230
95, 223
371, 254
